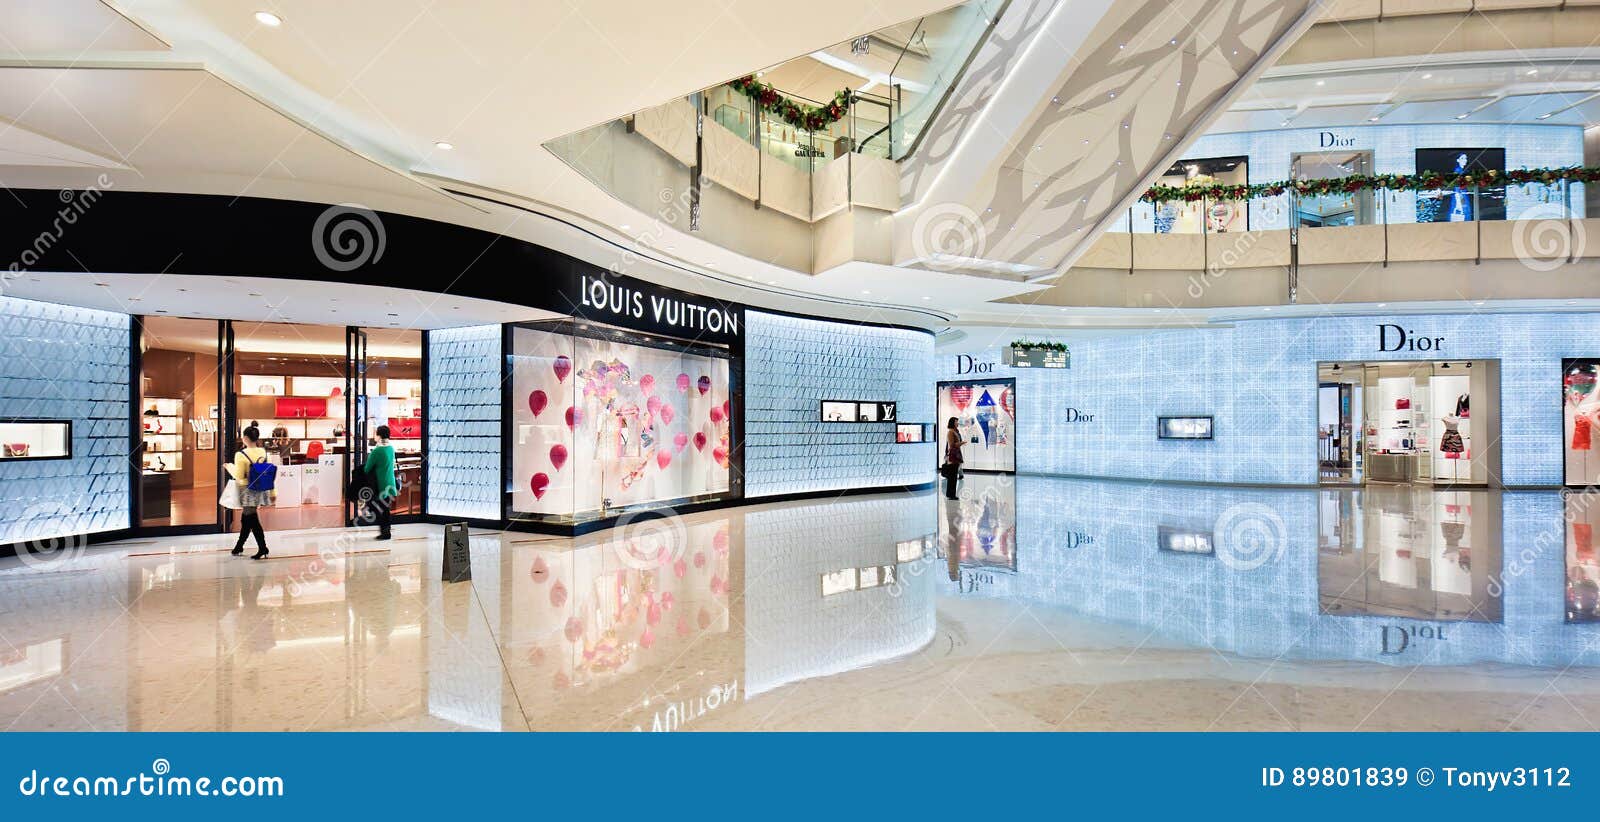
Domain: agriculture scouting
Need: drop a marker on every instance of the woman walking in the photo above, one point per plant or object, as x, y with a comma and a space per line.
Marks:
952, 459
251, 493
380, 468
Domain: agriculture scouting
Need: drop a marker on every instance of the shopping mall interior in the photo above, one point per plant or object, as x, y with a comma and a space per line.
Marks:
1013, 365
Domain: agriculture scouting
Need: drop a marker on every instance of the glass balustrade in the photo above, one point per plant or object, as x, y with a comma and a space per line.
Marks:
1560, 200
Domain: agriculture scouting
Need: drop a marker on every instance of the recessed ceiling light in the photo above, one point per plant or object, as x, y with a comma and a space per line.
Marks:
1322, 82
1372, 119
1427, 76
1463, 115
1532, 72
1383, 305
711, 265
865, 291
625, 226
1545, 116
444, 146
927, 298
267, 18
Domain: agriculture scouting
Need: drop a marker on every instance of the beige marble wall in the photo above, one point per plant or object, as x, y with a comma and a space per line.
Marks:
670, 126
731, 161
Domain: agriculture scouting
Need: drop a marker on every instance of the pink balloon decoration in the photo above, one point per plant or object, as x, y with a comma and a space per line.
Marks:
574, 417
562, 366
538, 484
653, 404
558, 455
667, 599
652, 614
716, 413
683, 383
720, 454
725, 411
537, 401
699, 441
574, 629
680, 569
647, 639
705, 385
718, 586
703, 619
667, 414
647, 384
680, 441
663, 458
683, 626
558, 594
719, 543
536, 655
540, 572
699, 559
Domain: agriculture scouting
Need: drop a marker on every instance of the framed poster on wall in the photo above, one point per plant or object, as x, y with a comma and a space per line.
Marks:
986, 416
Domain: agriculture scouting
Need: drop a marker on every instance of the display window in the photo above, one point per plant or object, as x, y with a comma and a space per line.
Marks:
1204, 216
986, 417
603, 423
1460, 205
35, 439
1433, 422
1580, 416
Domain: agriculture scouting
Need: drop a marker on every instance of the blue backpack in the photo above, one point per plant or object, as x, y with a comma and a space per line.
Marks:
263, 476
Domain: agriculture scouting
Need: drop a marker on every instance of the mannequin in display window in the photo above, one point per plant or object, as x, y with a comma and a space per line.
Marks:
1451, 444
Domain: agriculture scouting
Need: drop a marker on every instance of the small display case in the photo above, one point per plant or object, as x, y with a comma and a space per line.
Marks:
1183, 428
26, 439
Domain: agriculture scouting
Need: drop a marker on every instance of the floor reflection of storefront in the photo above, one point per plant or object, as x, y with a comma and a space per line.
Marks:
978, 533
1581, 512
629, 632
1411, 553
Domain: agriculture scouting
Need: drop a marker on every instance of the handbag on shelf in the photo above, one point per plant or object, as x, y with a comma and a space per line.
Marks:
1402, 404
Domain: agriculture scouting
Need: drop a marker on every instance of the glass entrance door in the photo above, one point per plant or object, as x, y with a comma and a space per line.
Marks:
181, 439
357, 405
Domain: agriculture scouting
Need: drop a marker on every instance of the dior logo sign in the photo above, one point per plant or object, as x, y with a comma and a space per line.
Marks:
1078, 539
1328, 139
1396, 639
1074, 415
965, 364
1392, 337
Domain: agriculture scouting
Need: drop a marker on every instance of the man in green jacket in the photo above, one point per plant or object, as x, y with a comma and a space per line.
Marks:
380, 469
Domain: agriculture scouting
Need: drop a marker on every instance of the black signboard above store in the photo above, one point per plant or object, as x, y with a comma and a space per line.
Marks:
1018, 357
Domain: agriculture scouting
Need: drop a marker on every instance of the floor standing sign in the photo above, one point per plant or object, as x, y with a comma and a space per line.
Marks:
457, 553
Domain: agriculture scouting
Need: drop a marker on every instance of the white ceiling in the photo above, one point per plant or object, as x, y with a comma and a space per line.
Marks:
263, 299
344, 102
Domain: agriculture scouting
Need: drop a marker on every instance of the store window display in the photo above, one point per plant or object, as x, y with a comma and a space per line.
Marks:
1580, 413
1582, 514
986, 417
1200, 216
603, 423
1405, 422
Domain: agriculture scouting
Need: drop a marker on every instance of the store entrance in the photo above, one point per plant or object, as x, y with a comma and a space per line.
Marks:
1428, 422
317, 395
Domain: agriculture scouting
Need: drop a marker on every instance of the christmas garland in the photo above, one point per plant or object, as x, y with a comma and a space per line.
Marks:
799, 115
1423, 181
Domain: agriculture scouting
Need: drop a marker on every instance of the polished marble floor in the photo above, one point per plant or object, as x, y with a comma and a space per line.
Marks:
1032, 604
